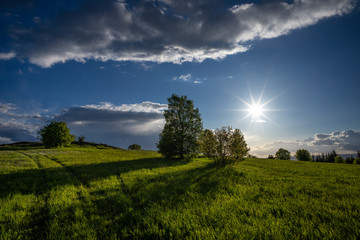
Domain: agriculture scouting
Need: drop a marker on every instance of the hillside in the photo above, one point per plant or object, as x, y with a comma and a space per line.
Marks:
87, 192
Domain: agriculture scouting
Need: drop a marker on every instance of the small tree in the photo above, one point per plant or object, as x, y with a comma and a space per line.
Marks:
224, 145
303, 155
81, 139
134, 147
182, 128
283, 154
339, 159
56, 134
271, 156
357, 161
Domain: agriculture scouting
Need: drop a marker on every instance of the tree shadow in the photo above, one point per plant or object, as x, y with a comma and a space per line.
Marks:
39, 181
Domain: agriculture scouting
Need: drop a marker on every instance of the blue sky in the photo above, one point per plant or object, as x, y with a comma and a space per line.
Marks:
107, 67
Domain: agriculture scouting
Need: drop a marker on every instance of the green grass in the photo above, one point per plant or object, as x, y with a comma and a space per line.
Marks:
91, 193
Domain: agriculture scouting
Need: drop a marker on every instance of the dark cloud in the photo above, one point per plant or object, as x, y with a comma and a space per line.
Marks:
165, 30
117, 125
15, 132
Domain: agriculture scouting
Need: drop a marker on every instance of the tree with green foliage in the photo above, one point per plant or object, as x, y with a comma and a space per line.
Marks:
283, 154
56, 134
357, 161
134, 147
303, 155
182, 129
339, 159
349, 160
271, 156
224, 145
81, 139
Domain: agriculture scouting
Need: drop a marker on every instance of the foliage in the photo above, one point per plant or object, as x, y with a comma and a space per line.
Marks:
283, 154
134, 147
56, 134
328, 157
224, 145
303, 155
357, 161
182, 128
87, 193
349, 160
339, 159
271, 156
81, 139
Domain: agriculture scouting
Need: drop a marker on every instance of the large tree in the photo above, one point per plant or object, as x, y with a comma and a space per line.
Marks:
56, 134
182, 128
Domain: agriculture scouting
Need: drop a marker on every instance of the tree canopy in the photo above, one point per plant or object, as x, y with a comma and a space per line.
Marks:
283, 154
224, 145
182, 128
303, 155
56, 134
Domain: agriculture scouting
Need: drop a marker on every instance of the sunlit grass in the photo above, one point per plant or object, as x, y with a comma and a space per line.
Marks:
90, 193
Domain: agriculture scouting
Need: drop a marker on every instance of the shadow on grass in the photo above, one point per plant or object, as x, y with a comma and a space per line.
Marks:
39, 181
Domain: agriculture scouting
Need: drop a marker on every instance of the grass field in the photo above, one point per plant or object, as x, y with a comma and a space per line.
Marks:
91, 193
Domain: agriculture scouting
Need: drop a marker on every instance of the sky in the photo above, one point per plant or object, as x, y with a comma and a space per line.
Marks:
286, 73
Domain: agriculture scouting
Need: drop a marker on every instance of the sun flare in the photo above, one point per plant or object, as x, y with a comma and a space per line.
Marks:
256, 108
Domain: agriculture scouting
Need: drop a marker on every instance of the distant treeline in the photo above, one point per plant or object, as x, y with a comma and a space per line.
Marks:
331, 156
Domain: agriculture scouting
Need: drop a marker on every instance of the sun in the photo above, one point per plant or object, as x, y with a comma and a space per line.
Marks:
256, 109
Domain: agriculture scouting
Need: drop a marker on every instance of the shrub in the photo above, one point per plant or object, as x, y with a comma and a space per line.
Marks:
56, 134
283, 154
303, 155
81, 139
271, 156
224, 145
339, 159
134, 147
349, 160
357, 161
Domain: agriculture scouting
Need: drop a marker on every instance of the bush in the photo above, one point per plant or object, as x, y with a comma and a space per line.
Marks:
349, 160
134, 147
224, 145
303, 155
81, 139
271, 156
357, 161
339, 159
283, 154
56, 134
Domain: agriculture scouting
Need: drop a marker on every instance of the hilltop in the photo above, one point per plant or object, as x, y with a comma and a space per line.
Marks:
83, 192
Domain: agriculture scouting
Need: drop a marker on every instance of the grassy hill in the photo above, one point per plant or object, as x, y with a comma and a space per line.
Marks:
91, 192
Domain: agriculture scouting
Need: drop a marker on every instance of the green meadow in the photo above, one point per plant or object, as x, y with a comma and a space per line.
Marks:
97, 192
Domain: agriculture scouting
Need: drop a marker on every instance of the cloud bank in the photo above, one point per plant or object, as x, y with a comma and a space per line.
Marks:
117, 125
344, 142
164, 30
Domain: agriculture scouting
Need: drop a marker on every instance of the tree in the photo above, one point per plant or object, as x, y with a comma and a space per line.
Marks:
134, 147
182, 129
56, 134
283, 154
224, 145
339, 159
303, 155
81, 139
271, 156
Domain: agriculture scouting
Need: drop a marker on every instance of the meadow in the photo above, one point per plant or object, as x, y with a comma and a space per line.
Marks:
105, 193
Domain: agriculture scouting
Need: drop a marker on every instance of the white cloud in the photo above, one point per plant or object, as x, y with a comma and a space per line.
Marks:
344, 142
7, 56
184, 77
5, 140
165, 31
